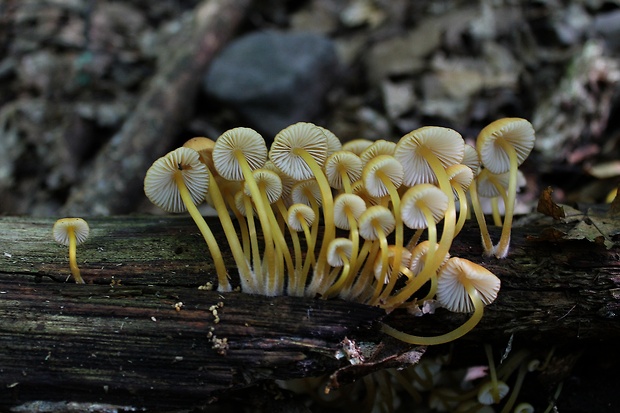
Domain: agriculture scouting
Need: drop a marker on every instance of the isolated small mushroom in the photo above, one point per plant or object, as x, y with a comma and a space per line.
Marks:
299, 218
71, 232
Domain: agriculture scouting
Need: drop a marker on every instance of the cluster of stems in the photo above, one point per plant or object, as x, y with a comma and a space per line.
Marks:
311, 216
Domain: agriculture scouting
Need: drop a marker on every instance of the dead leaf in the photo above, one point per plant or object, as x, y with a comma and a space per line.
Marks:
547, 206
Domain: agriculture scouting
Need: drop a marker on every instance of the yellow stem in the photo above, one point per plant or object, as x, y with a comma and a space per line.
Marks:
463, 209
487, 244
504, 242
328, 216
444, 338
216, 254
245, 274
75, 271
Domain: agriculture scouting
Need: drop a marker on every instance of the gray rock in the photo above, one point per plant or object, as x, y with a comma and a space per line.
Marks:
274, 78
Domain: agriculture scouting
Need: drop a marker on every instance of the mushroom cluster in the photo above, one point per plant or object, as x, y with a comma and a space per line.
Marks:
314, 216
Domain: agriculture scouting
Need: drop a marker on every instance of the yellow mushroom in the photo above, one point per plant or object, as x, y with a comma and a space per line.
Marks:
72, 232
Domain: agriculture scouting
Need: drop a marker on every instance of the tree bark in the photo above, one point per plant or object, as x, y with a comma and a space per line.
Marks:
142, 333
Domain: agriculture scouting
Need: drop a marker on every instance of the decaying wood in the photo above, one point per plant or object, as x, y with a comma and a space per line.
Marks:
115, 178
125, 338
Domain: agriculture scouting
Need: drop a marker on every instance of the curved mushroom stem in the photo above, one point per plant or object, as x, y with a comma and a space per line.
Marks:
245, 274
216, 254
497, 219
463, 209
516, 389
501, 250
75, 271
449, 226
492, 374
346, 274
385, 258
399, 235
328, 218
487, 244
444, 338
261, 211
256, 257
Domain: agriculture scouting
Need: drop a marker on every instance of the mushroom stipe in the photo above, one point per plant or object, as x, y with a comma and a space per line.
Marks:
368, 189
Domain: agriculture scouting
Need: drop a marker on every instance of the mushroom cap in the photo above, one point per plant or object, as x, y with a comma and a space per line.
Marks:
446, 144
269, 182
240, 202
485, 183
380, 147
297, 213
64, 226
338, 162
418, 257
451, 280
245, 141
359, 189
427, 195
345, 204
204, 147
287, 181
333, 143
303, 191
517, 132
387, 165
338, 247
405, 261
485, 395
377, 214
160, 186
471, 159
299, 136
460, 175
357, 146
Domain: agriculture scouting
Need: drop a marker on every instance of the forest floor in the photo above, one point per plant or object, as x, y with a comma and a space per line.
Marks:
73, 72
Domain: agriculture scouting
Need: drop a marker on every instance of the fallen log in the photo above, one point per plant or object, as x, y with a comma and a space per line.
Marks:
141, 333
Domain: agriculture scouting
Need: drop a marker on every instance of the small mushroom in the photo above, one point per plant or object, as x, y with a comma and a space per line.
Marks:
503, 145
71, 232
463, 287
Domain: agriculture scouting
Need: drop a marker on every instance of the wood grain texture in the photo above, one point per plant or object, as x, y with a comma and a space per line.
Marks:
120, 339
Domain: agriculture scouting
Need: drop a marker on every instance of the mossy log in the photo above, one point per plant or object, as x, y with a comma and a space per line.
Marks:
141, 333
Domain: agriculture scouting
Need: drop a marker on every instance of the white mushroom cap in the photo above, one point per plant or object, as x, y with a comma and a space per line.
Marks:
386, 165
427, 195
486, 183
380, 147
446, 144
471, 159
296, 213
350, 203
451, 280
405, 261
517, 132
246, 141
357, 146
303, 191
337, 248
340, 161
333, 143
299, 136
269, 182
379, 215
460, 175
418, 257
485, 395
64, 226
160, 186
